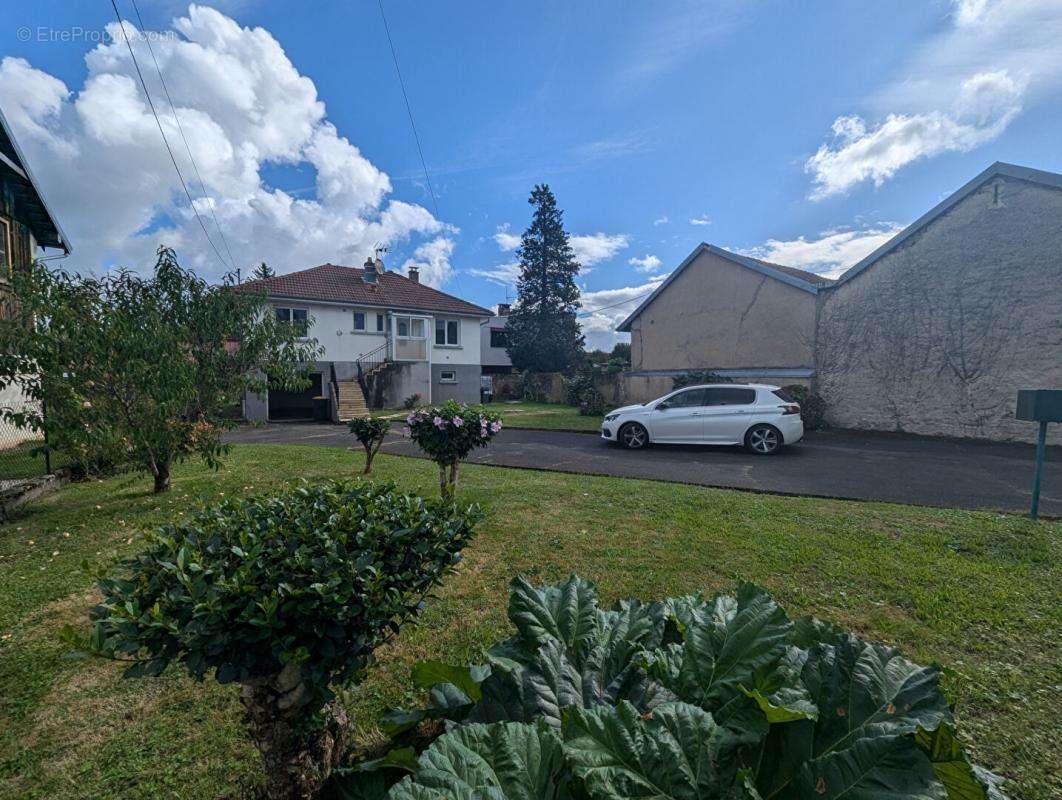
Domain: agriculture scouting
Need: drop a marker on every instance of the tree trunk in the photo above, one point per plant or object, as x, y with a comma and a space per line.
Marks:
162, 478
297, 761
444, 486
453, 478
369, 453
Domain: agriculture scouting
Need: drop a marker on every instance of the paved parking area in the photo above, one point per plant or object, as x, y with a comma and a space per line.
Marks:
842, 464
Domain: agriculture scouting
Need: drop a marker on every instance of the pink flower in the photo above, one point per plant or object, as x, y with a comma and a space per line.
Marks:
458, 422
438, 422
411, 419
496, 426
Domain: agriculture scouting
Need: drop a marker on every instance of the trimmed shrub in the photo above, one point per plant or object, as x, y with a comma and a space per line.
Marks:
411, 402
288, 596
690, 697
581, 393
448, 433
371, 432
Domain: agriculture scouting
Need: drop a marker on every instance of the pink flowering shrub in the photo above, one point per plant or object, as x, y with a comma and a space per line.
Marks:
448, 433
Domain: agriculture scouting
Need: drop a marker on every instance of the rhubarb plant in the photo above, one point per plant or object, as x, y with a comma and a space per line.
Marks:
690, 697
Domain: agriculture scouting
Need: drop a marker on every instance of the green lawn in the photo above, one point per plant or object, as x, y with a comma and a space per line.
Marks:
553, 416
978, 592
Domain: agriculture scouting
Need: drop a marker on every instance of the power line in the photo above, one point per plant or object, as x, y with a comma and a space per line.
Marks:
621, 303
188, 149
409, 110
413, 125
165, 141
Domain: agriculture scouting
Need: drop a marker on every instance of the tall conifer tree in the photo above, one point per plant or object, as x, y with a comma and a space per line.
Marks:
543, 333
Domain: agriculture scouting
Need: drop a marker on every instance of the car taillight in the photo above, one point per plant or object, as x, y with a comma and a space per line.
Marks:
790, 409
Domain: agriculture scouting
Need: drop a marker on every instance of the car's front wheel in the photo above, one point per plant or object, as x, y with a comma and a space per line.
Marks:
763, 440
633, 436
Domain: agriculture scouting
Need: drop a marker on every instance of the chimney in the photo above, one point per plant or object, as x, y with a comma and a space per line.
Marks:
414, 274
504, 309
370, 271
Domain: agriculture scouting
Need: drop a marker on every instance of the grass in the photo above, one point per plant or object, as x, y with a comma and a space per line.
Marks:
551, 416
978, 592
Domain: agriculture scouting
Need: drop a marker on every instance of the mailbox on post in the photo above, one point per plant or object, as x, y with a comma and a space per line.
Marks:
1043, 406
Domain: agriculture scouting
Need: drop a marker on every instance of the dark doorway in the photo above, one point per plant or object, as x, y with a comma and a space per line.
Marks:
294, 405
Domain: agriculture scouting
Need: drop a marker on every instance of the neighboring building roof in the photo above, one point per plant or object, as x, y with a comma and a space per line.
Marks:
330, 283
30, 207
797, 278
1041, 177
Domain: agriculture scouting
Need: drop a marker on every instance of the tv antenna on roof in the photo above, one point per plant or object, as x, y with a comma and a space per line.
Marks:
379, 248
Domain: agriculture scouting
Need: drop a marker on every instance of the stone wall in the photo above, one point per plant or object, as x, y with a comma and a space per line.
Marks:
937, 336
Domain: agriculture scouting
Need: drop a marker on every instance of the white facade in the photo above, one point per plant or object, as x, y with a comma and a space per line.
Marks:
336, 328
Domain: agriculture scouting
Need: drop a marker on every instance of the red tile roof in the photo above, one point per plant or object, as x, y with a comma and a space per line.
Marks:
336, 284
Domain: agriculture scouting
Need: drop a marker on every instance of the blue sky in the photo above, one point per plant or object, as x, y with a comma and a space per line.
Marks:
802, 133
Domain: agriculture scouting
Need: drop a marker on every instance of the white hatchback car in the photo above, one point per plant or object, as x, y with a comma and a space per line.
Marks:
762, 418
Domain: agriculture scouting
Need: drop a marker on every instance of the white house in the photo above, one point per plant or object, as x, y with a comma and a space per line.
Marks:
492, 342
384, 336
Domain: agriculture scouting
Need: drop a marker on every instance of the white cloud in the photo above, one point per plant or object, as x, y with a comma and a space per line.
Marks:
661, 220
959, 90
986, 104
501, 274
597, 247
433, 260
505, 240
242, 104
830, 254
701, 220
649, 263
610, 307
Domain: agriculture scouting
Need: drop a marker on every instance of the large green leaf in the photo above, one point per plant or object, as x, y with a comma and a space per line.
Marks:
864, 693
676, 751
885, 768
569, 652
963, 780
503, 761
567, 612
726, 643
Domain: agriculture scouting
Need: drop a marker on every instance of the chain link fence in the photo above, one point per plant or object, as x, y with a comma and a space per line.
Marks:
22, 454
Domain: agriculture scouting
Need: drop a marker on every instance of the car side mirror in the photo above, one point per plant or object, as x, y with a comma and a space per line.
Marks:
662, 406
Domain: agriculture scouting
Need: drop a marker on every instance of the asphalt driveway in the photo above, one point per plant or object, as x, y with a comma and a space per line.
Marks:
841, 464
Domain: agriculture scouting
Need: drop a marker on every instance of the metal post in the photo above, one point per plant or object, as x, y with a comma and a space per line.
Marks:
1041, 444
47, 451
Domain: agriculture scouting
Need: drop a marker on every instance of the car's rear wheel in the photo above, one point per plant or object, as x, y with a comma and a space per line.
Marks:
633, 436
763, 440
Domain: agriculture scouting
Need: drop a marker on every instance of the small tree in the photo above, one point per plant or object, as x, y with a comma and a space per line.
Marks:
263, 271
448, 433
542, 330
288, 596
371, 432
143, 371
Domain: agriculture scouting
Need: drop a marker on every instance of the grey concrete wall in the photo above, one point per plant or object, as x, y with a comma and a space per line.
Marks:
938, 335
717, 314
407, 378
466, 390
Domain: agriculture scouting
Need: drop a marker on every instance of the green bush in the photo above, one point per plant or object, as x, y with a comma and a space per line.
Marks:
691, 697
371, 432
448, 433
411, 402
532, 388
288, 596
581, 393
696, 377
812, 406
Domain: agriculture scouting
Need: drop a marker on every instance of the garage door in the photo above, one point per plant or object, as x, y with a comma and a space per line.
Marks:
294, 405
